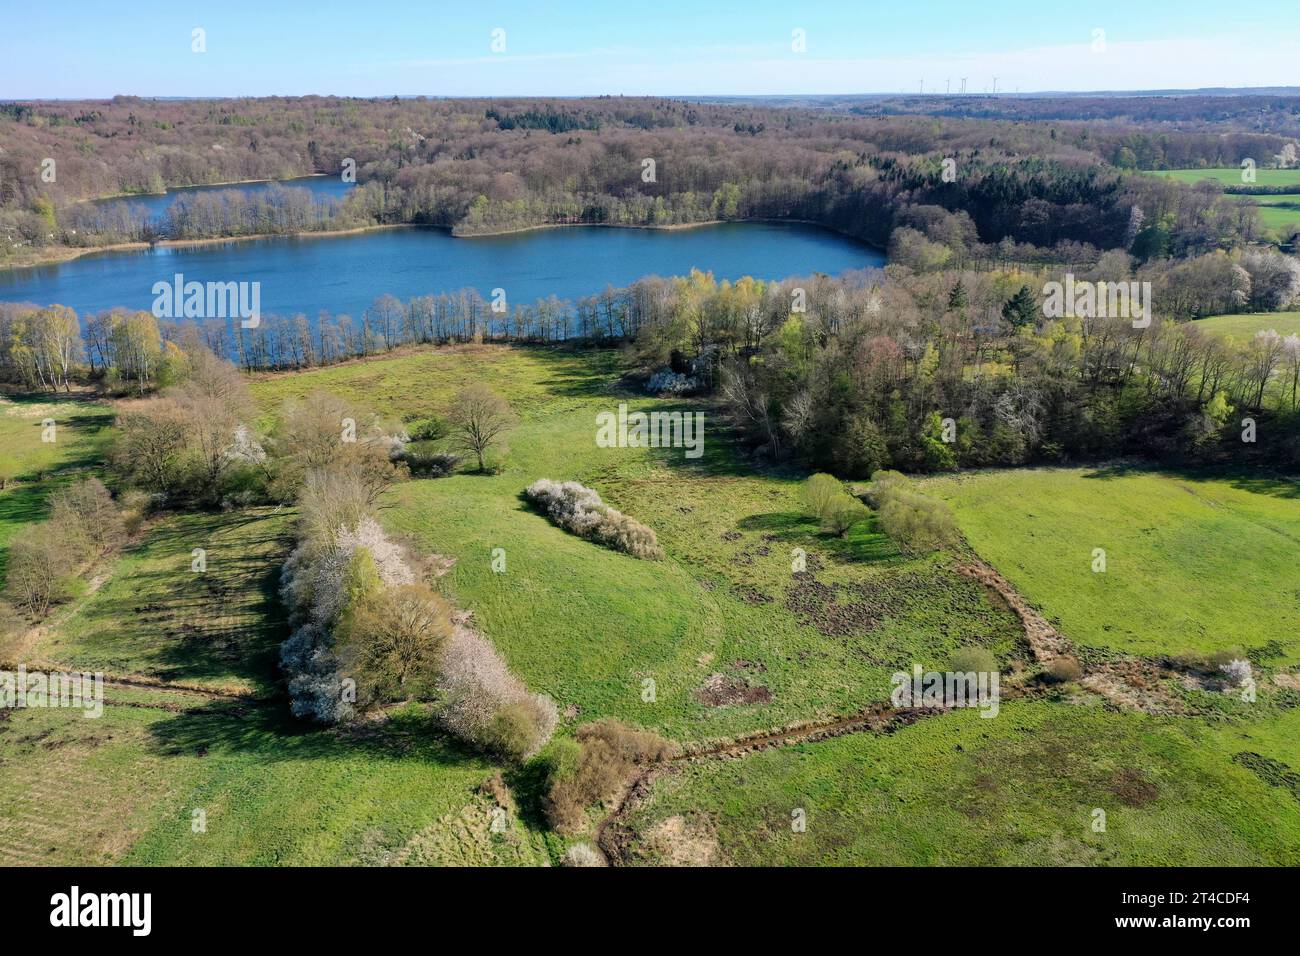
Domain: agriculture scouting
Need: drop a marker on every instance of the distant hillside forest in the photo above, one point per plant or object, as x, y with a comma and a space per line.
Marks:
1015, 172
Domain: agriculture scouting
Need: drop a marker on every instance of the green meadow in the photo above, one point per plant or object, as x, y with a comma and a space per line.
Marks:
1244, 327
755, 620
1193, 564
1279, 212
34, 458
1231, 176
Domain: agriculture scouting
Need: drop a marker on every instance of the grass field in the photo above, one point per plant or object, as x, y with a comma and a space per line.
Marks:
1243, 327
1193, 564
1231, 176
1020, 789
589, 626
32, 466
124, 788
219, 628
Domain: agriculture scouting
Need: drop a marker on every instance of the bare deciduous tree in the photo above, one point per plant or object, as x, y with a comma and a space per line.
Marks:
478, 417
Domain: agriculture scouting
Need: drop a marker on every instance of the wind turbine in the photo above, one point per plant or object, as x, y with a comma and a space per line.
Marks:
995, 86
963, 85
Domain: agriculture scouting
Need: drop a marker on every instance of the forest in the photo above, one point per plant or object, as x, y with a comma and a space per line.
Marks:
1021, 175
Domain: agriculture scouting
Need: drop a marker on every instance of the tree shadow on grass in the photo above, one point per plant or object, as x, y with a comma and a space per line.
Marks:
268, 730
864, 544
1254, 481
226, 623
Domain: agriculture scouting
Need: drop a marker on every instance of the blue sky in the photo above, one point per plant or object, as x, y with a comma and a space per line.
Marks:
89, 48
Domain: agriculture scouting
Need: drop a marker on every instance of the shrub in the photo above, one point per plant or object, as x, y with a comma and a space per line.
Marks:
87, 507
424, 464
578, 509
390, 640
428, 429
843, 513
477, 687
611, 756
818, 492
583, 854
1061, 670
916, 523
520, 728
885, 483
667, 382
41, 569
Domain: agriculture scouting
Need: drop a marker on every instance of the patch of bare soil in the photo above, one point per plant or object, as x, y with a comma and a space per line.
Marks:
722, 690
751, 595
844, 610
1133, 788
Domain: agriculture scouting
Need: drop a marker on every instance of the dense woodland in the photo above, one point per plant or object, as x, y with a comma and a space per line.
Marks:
480, 166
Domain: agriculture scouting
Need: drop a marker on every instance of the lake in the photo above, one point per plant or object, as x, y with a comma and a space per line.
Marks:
344, 274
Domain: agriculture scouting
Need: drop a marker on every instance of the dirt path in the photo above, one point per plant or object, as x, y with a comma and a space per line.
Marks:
1130, 684
614, 835
1047, 643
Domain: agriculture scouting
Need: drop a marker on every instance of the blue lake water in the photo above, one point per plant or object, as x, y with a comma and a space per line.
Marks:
344, 274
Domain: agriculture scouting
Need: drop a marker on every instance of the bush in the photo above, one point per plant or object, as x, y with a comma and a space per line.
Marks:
885, 483
1062, 670
844, 512
916, 523
390, 640
428, 429
583, 854
520, 728
578, 509
426, 464
42, 565
611, 755
477, 687
818, 491
86, 508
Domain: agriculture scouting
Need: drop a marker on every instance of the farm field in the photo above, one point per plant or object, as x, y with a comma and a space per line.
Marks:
1193, 564
1279, 212
1231, 176
1244, 327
